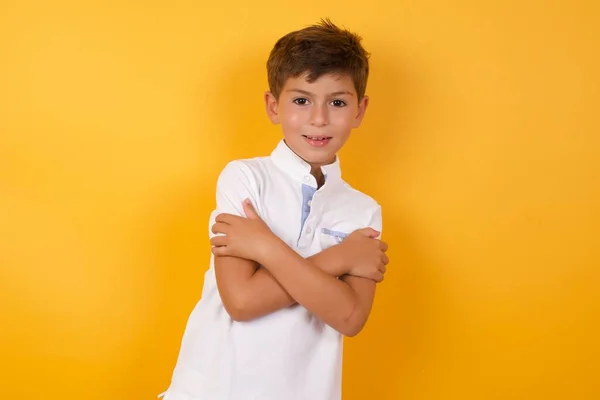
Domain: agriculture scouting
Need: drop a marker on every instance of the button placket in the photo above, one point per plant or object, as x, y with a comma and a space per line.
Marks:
309, 226
309, 192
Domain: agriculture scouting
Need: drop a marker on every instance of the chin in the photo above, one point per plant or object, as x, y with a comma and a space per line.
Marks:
320, 158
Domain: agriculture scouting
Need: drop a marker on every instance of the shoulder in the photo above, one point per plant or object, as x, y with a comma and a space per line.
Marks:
249, 170
239, 180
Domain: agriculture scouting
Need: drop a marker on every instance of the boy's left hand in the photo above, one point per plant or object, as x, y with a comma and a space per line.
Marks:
248, 238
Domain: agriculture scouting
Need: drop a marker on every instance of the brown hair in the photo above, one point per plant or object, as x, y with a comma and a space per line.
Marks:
318, 50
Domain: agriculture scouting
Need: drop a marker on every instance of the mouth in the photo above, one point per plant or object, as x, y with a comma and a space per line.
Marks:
317, 141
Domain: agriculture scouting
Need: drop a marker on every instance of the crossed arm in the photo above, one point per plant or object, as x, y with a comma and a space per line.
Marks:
249, 291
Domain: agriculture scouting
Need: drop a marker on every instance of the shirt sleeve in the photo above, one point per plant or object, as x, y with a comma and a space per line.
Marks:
235, 184
377, 221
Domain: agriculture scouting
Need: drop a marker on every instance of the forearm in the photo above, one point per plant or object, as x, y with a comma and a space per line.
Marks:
331, 261
330, 299
263, 294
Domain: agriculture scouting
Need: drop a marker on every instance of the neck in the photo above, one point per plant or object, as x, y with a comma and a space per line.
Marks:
318, 174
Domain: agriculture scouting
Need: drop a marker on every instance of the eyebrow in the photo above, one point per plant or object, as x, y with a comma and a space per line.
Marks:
312, 94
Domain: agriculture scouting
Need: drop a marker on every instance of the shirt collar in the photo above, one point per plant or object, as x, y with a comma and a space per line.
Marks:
290, 162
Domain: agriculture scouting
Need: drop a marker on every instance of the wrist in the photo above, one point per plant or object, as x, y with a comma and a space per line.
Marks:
269, 247
341, 258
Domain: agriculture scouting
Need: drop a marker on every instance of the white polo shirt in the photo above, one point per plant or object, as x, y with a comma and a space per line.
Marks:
289, 354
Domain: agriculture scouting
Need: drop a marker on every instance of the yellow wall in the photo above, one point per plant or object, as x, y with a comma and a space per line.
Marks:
481, 143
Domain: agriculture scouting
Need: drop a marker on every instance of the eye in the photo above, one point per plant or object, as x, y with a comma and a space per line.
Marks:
338, 103
301, 101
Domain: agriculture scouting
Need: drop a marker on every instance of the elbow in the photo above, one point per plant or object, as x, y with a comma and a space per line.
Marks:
237, 308
235, 303
235, 314
353, 324
352, 329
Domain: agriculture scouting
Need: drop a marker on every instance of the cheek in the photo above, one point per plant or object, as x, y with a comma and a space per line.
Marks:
292, 120
343, 120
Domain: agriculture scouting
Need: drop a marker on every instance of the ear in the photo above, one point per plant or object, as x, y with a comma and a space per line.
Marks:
362, 109
272, 107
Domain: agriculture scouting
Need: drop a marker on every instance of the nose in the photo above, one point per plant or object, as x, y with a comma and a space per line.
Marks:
318, 115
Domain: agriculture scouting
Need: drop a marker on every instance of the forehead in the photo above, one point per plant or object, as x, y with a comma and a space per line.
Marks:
328, 83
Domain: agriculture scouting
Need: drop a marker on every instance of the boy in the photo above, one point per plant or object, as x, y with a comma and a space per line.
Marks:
296, 254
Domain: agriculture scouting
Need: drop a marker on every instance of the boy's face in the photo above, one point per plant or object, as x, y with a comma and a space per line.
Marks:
317, 117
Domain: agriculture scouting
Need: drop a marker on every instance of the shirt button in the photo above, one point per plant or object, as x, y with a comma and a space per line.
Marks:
307, 178
309, 203
308, 230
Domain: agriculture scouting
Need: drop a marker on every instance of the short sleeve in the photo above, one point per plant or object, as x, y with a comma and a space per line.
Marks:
376, 220
235, 184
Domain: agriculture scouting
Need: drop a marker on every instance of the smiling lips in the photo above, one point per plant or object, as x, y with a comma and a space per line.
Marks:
317, 141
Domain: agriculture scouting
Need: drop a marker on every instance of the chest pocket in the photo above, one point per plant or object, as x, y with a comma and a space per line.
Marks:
331, 237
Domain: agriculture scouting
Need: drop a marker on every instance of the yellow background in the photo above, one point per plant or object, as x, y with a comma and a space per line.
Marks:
481, 143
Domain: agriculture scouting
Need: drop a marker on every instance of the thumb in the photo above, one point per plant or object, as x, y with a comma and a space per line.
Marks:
249, 210
369, 232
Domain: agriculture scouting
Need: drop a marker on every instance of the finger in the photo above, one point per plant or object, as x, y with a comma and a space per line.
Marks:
370, 232
385, 259
225, 218
220, 251
249, 210
382, 269
378, 277
219, 241
383, 246
220, 227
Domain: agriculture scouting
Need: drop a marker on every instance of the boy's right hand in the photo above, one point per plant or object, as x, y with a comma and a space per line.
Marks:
365, 255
